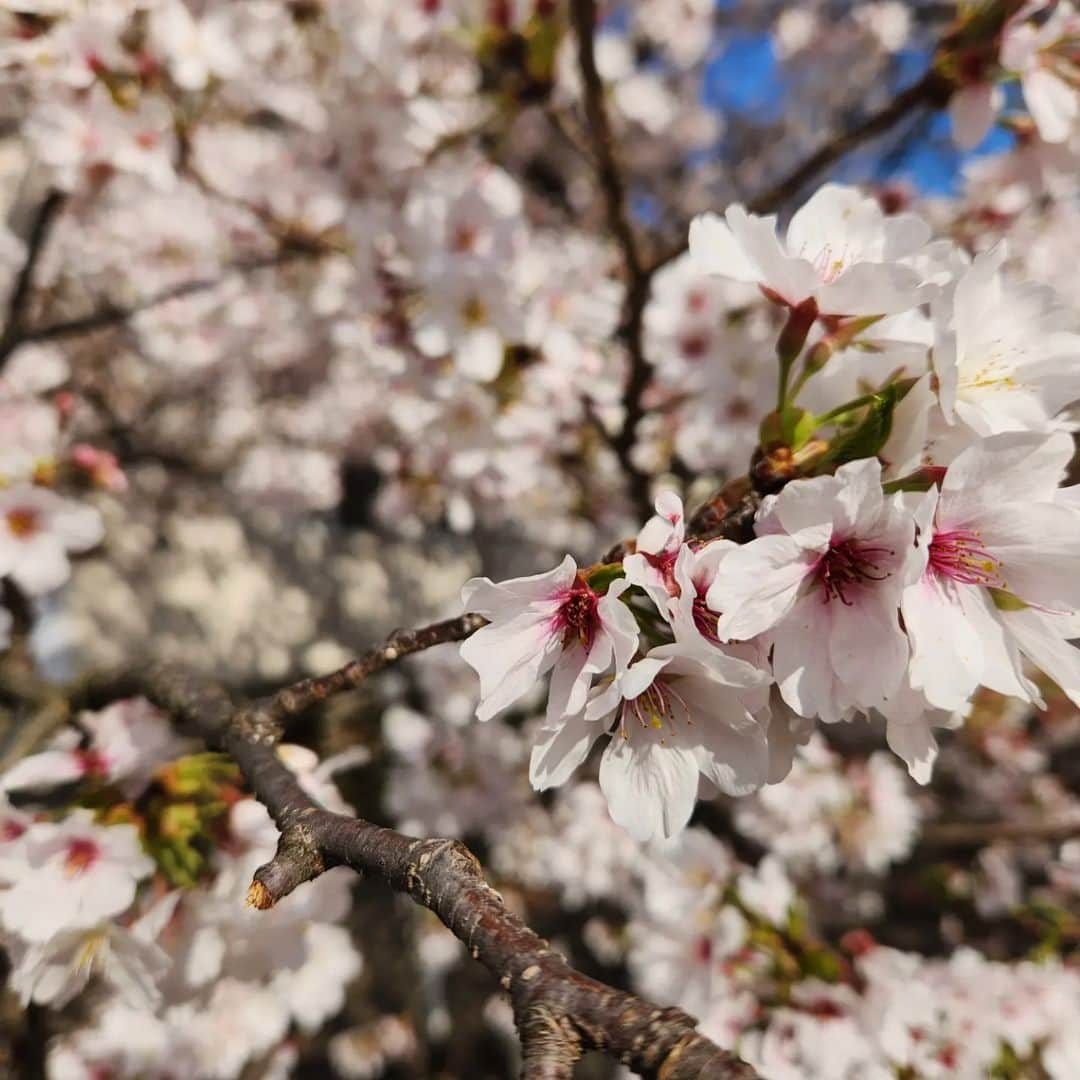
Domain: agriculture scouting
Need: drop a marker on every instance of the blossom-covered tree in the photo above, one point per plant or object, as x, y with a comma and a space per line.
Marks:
322, 319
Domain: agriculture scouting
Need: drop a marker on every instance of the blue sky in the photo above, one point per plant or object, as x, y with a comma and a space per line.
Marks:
745, 77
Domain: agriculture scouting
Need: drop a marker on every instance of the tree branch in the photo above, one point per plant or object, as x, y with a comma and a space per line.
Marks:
638, 275
560, 1013
44, 218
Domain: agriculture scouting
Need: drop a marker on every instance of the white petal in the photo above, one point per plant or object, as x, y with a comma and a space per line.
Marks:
42, 566
867, 649
559, 752
915, 744
1043, 639
570, 682
480, 354
947, 654
716, 251
46, 769
504, 599
733, 751
1016, 467
509, 658
650, 788
794, 279
801, 663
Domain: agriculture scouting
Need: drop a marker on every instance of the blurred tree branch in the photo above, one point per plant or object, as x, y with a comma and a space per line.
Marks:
638, 274
15, 320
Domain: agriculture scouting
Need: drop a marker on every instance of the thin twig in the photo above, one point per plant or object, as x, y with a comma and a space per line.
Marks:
295, 699
19, 300
638, 275
931, 90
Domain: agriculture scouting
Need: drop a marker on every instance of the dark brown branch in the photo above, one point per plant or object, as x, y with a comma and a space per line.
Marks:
638, 275
560, 1013
19, 300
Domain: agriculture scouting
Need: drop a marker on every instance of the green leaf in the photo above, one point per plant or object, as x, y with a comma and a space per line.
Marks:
790, 426
866, 438
600, 579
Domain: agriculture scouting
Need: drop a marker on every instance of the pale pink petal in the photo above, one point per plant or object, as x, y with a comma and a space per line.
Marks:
47, 769
733, 751
972, 110
794, 279
947, 657
871, 289
509, 659
1017, 467
1044, 640
1053, 104
42, 566
716, 251
506, 598
758, 584
867, 649
570, 681
915, 744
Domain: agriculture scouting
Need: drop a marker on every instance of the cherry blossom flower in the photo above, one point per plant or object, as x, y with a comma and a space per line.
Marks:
551, 621
841, 251
1004, 361
823, 577
676, 718
128, 959
37, 530
75, 873
997, 527
1045, 57
129, 740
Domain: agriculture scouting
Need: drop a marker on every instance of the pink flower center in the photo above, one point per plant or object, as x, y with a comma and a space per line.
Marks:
958, 555
694, 346
577, 618
92, 763
464, 238
81, 855
848, 565
663, 562
705, 619
11, 830
703, 950
22, 522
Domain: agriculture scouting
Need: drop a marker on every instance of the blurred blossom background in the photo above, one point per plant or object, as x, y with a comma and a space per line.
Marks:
315, 309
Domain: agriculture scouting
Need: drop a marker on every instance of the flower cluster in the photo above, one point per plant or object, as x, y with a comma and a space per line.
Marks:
144, 901
914, 543
312, 310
